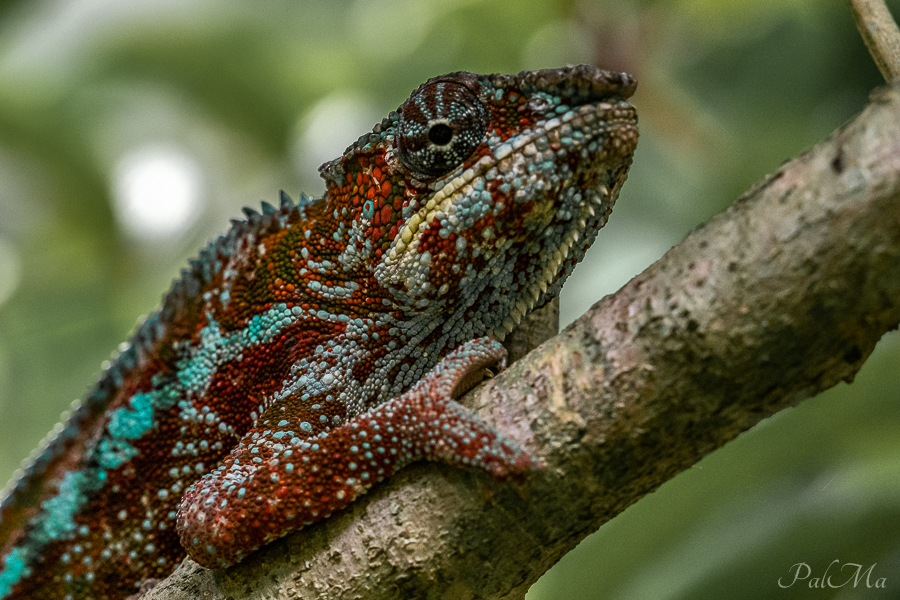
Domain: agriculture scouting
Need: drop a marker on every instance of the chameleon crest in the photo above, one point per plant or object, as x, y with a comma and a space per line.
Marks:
316, 347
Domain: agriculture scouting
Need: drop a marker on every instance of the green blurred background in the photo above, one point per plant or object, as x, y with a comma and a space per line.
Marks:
131, 131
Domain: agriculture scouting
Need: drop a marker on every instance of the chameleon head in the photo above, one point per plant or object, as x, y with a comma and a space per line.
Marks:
496, 185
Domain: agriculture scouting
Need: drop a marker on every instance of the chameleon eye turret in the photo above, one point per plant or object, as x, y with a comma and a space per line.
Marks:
440, 126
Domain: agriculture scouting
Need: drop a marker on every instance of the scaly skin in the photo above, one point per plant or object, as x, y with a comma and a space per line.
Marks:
313, 349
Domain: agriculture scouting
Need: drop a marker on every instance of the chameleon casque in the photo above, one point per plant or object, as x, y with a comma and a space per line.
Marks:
315, 348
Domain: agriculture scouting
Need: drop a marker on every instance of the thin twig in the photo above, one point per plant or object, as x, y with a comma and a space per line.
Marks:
879, 32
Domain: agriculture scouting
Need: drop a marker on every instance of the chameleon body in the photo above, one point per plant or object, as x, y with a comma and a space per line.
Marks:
315, 348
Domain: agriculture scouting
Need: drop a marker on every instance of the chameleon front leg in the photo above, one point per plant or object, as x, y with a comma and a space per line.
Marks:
274, 483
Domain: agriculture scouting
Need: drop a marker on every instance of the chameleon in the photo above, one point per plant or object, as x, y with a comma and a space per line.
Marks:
320, 345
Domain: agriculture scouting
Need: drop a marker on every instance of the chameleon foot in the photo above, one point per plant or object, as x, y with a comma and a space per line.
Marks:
275, 482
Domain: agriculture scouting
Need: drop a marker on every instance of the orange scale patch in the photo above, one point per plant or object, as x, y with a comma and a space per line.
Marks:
431, 241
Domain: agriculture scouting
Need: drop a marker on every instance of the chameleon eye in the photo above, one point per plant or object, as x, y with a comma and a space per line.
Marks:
440, 134
440, 126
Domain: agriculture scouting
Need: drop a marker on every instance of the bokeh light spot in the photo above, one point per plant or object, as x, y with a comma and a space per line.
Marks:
157, 191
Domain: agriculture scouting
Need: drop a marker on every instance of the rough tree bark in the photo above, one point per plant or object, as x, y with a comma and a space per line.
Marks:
778, 298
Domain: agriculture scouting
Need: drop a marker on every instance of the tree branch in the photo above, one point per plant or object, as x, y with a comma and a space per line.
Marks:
778, 298
879, 32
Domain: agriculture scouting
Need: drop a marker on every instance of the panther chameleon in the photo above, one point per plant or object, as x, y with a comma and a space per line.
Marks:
318, 346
